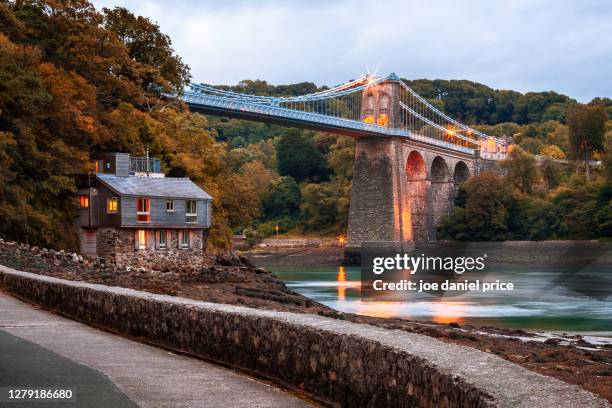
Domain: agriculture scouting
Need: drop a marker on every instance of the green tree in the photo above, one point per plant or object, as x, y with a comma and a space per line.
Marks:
521, 169
283, 199
485, 215
607, 159
531, 145
319, 206
550, 174
298, 157
586, 129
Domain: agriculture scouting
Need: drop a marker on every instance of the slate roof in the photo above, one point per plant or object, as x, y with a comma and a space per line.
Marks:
171, 187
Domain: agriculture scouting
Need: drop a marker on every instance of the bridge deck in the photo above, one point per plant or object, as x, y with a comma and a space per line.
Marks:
308, 120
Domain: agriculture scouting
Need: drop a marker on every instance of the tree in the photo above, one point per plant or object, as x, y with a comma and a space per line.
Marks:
150, 47
485, 215
521, 168
319, 206
283, 199
586, 129
258, 176
552, 151
298, 157
550, 174
531, 145
607, 159
240, 201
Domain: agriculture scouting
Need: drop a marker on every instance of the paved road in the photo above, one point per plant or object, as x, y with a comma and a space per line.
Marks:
40, 348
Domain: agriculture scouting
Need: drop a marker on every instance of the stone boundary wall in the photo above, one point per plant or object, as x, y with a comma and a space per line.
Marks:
338, 362
289, 243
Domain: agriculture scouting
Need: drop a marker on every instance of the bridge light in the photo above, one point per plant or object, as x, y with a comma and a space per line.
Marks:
383, 119
369, 119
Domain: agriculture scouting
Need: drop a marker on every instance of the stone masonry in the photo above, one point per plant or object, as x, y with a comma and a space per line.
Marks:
401, 187
118, 245
337, 362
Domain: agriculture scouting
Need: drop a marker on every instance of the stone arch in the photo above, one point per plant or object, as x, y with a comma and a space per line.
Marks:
418, 196
415, 167
439, 170
442, 192
461, 173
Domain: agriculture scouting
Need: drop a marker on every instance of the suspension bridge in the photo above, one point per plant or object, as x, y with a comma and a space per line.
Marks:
350, 109
410, 156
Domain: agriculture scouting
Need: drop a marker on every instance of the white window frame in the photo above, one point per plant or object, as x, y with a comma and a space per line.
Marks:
191, 217
170, 205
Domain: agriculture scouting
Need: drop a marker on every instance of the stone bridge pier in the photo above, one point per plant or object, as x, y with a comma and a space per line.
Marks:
401, 189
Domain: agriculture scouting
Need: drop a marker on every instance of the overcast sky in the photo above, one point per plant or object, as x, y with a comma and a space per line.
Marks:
561, 45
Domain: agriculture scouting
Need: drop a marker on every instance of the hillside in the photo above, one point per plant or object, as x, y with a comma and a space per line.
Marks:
75, 81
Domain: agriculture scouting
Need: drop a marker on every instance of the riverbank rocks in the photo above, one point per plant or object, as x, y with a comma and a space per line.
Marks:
73, 266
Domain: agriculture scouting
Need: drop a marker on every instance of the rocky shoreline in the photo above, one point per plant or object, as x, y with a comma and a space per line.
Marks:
232, 278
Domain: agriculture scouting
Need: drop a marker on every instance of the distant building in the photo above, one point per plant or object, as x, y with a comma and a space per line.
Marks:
131, 213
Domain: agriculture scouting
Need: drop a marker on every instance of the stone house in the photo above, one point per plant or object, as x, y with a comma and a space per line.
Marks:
131, 213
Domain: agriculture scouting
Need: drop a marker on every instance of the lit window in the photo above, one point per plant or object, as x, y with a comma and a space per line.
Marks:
84, 201
141, 239
185, 241
382, 119
162, 238
191, 211
143, 210
170, 205
111, 205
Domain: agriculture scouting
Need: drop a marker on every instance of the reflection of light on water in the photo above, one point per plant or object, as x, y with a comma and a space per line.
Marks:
447, 312
378, 308
340, 278
342, 284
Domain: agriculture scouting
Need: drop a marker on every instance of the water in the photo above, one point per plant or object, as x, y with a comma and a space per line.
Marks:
555, 309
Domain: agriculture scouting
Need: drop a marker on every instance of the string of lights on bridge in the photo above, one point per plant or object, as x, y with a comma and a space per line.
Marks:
371, 103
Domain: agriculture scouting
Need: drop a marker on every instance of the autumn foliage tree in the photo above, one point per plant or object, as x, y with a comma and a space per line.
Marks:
74, 81
587, 126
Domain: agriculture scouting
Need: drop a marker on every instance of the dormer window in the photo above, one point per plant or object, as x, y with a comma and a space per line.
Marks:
191, 211
84, 201
143, 210
111, 205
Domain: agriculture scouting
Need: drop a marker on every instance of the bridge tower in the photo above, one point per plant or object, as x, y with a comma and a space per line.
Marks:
401, 187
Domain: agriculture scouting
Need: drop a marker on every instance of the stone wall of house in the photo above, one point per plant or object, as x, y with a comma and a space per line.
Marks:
341, 363
72, 266
119, 246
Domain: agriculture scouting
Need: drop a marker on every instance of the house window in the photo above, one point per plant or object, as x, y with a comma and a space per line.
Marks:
111, 205
162, 241
170, 205
143, 210
191, 211
141, 239
185, 239
84, 201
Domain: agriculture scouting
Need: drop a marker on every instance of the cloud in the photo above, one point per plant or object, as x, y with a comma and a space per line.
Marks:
561, 45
